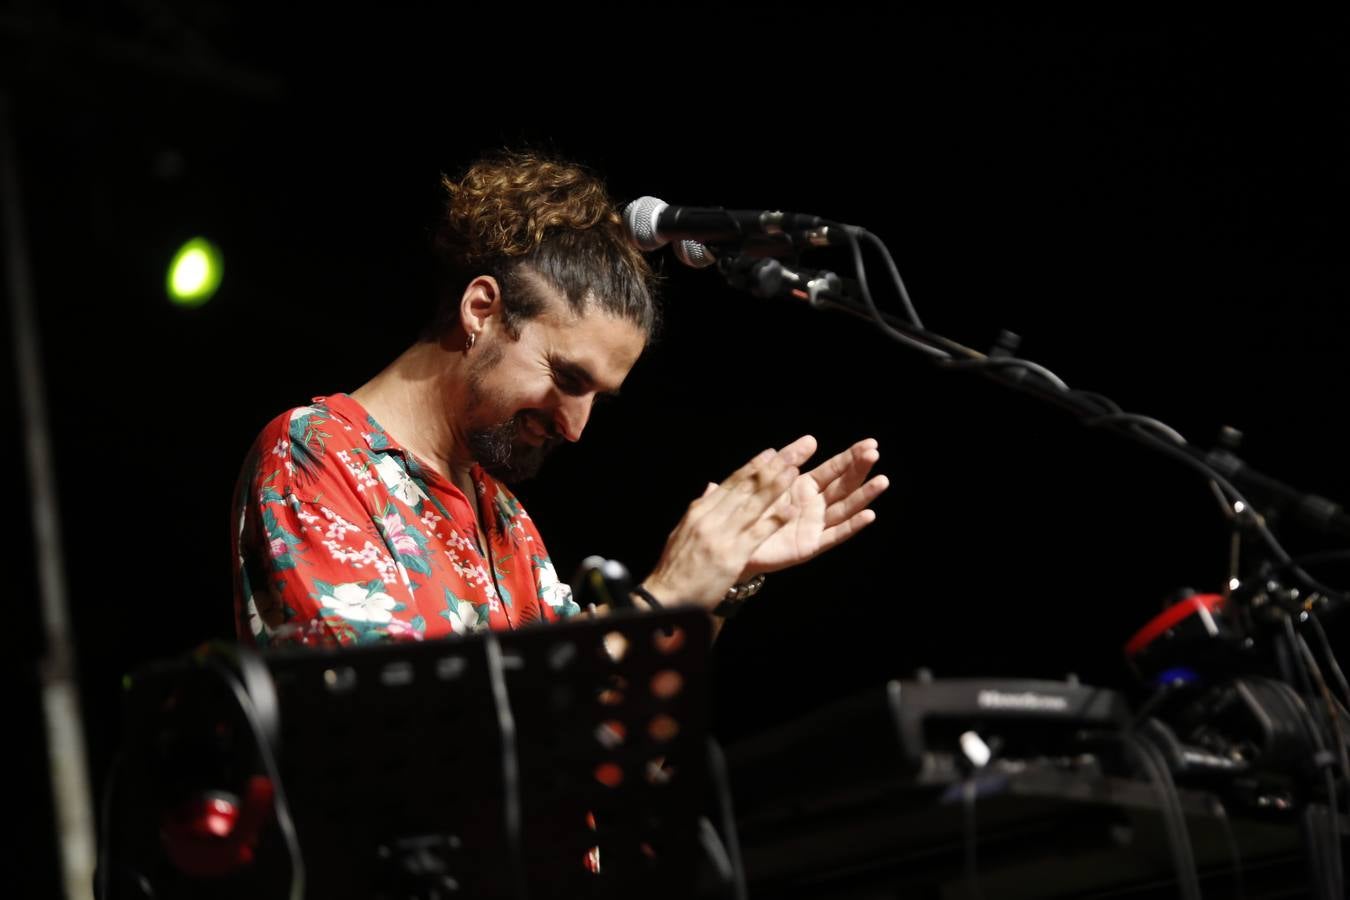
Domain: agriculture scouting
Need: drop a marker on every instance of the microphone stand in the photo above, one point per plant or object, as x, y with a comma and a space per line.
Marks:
771, 277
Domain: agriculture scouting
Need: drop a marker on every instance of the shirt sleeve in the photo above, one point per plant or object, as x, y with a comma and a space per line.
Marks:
314, 560
555, 596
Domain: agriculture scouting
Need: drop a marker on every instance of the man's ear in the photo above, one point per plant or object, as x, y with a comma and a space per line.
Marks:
481, 305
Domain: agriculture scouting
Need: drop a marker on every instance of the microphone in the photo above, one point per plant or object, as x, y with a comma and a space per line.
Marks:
699, 256
601, 581
694, 255
653, 223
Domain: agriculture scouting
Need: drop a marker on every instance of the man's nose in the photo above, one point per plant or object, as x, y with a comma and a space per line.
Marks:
572, 416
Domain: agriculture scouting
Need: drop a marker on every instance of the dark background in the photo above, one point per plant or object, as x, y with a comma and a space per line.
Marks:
1158, 208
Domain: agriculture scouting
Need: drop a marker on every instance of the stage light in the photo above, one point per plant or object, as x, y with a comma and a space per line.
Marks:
195, 273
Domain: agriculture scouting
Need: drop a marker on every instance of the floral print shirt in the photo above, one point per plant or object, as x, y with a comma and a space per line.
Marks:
342, 536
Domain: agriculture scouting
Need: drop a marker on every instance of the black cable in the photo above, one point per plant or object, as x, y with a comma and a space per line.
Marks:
1323, 556
716, 850
717, 767
1010, 362
1073, 399
969, 789
1328, 703
895, 334
1255, 522
1332, 849
1328, 855
1156, 699
1330, 657
1173, 816
506, 729
1221, 813
953, 355
1101, 400
103, 857
895, 275
280, 806
1147, 422
1173, 796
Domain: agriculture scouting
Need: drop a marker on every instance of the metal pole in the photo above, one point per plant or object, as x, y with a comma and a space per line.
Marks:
57, 672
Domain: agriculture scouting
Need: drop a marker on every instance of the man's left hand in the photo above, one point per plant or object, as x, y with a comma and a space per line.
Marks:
829, 506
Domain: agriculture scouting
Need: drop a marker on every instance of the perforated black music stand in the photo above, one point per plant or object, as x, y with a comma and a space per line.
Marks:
407, 777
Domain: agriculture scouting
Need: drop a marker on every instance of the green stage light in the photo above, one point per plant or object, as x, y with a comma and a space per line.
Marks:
195, 273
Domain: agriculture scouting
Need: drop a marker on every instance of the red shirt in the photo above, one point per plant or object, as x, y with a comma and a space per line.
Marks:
343, 536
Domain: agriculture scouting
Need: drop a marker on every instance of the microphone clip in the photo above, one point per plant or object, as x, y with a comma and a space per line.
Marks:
767, 277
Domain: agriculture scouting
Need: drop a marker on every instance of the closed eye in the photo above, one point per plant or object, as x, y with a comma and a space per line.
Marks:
569, 385
575, 380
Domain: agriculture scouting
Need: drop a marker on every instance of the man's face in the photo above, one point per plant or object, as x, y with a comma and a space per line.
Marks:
526, 396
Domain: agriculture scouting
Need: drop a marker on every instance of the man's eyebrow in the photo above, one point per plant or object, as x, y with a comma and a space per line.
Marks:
577, 372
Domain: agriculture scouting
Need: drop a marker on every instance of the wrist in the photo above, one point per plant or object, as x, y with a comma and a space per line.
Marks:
643, 595
663, 591
736, 596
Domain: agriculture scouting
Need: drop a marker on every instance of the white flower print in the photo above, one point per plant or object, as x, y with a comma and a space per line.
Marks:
474, 573
552, 591
396, 478
282, 451
463, 617
255, 622
353, 601
337, 526
369, 555
360, 473
458, 541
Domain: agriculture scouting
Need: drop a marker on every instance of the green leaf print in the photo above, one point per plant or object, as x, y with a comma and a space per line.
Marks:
378, 439
307, 440
269, 492
276, 532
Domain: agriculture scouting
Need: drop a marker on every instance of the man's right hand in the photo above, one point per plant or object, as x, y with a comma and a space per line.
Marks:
712, 543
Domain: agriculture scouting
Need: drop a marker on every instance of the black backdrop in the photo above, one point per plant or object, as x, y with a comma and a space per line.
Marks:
1157, 208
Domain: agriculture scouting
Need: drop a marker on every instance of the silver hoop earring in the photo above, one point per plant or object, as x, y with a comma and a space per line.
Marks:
468, 345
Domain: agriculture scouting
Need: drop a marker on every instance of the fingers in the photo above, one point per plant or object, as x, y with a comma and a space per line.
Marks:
762, 491
772, 519
833, 537
716, 537
864, 453
844, 472
748, 471
750, 489
859, 499
799, 451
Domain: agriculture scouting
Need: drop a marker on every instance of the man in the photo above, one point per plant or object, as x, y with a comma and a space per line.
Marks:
382, 514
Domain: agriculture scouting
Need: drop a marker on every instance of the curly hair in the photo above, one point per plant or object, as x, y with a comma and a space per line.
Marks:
521, 213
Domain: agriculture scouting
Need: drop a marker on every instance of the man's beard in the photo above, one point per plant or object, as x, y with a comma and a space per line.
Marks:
504, 455
500, 449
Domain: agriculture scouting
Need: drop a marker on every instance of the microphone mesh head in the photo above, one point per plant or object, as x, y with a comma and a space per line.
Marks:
639, 220
694, 254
